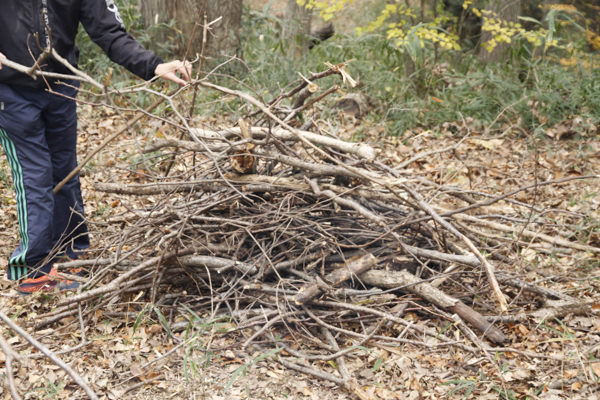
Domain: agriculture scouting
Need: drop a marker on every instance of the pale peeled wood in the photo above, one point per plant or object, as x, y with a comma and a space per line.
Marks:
395, 279
353, 268
358, 149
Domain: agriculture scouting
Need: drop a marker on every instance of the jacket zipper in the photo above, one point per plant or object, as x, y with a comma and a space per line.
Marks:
38, 26
45, 22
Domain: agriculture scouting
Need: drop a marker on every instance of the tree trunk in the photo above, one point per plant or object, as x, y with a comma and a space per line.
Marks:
296, 29
505, 10
223, 39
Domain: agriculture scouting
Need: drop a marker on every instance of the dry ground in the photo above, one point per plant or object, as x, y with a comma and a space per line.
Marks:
566, 349
487, 164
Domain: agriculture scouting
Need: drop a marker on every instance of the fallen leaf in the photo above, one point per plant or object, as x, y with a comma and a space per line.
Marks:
570, 373
488, 144
301, 387
137, 371
272, 375
596, 368
229, 354
102, 382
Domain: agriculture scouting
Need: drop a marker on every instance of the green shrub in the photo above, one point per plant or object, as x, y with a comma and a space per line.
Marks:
539, 92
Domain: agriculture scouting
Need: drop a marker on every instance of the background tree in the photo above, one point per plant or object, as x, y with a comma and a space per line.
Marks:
223, 37
507, 11
297, 26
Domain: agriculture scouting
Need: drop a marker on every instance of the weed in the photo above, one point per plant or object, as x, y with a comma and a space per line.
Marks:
241, 371
468, 385
506, 395
51, 391
4, 176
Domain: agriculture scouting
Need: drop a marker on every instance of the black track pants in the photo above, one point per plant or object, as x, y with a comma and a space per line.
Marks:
38, 131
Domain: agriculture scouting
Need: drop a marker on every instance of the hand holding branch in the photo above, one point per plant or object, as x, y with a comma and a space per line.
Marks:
168, 71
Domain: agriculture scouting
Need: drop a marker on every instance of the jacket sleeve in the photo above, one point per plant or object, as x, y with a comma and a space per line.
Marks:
102, 21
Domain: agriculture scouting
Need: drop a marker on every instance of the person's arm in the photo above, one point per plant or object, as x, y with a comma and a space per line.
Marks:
102, 21
166, 71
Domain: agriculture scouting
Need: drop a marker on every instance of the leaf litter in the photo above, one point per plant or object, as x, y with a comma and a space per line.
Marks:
549, 356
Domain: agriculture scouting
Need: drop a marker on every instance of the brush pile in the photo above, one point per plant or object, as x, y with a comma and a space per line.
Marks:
282, 228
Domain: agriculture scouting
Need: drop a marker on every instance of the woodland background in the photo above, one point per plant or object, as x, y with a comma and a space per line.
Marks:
486, 97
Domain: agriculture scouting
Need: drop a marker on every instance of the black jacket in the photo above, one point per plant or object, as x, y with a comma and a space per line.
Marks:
20, 20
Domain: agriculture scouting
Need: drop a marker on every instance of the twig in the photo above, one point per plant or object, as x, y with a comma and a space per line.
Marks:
11, 356
112, 137
488, 268
50, 355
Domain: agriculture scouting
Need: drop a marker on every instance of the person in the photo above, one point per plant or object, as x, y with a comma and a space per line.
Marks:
38, 128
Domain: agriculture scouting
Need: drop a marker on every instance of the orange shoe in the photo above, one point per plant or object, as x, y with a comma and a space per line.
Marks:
45, 283
75, 271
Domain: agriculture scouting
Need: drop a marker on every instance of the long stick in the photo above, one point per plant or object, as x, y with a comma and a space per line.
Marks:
10, 355
50, 355
488, 267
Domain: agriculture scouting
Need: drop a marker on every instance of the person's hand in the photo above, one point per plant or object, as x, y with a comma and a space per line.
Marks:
169, 71
1, 57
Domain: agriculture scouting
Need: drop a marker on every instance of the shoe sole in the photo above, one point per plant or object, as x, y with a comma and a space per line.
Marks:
60, 287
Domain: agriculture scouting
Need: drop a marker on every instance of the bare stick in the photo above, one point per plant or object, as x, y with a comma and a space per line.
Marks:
25, 70
488, 267
358, 149
10, 355
109, 139
407, 281
352, 269
558, 241
50, 355
342, 364
114, 285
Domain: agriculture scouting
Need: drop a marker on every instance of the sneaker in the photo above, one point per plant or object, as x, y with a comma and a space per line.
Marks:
46, 283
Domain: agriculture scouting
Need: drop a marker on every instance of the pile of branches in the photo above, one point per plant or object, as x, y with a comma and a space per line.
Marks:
281, 225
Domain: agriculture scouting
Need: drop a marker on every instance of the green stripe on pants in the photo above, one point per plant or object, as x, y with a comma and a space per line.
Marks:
17, 264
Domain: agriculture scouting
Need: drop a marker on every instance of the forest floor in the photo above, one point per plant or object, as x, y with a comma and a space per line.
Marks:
566, 347
129, 354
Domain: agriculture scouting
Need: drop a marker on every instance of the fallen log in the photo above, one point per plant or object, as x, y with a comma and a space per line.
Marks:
410, 283
353, 268
358, 149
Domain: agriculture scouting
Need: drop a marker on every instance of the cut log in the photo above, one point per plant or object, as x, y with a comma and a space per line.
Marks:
244, 161
321, 34
354, 104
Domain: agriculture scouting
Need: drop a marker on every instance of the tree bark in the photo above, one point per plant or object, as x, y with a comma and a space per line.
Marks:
296, 29
223, 38
505, 10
